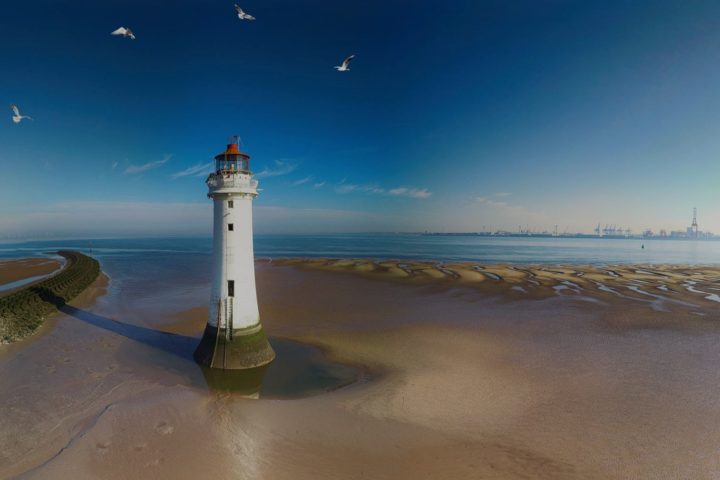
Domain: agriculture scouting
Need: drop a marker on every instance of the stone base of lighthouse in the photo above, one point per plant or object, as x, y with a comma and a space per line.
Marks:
234, 350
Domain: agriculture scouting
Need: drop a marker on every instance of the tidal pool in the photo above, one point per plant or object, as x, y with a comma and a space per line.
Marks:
299, 370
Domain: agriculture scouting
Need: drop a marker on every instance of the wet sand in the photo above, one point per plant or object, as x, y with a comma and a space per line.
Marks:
660, 286
14, 271
464, 376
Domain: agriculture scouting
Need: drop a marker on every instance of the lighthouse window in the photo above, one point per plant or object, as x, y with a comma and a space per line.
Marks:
231, 227
231, 288
230, 204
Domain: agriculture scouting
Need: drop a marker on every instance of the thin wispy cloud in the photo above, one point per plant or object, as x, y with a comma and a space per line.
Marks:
410, 192
345, 188
504, 206
303, 180
351, 188
115, 164
319, 185
199, 170
490, 202
280, 167
133, 169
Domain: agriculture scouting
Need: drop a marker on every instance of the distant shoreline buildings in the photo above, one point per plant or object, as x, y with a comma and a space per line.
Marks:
608, 231
648, 234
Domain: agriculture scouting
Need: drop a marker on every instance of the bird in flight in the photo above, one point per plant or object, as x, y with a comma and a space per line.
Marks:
242, 15
16, 114
345, 67
125, 32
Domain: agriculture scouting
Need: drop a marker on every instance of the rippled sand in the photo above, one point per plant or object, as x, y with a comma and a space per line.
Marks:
659, 287
467, 377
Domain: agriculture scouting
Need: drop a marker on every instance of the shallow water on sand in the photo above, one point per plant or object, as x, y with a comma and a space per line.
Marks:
143, 306
299, 370
126, 340
134, 322
172, 283
472, 386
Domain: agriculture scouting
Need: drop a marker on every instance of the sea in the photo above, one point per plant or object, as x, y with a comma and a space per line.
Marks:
441, 248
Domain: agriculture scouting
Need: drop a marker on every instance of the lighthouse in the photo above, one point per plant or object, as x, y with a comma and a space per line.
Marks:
233, 337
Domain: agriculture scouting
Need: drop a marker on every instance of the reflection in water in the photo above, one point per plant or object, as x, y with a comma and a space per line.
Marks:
246, 383
299, 370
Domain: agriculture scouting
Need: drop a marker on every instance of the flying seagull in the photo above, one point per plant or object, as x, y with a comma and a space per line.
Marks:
16, 114
125, 32
345, 67
242, 15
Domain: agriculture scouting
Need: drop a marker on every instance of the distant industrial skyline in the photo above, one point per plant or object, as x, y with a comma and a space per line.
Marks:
460, 116
607, 230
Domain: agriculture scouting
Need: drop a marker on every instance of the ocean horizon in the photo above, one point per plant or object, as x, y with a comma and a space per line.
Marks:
441, 248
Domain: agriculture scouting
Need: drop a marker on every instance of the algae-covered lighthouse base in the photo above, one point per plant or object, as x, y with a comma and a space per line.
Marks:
230, 350
234, 337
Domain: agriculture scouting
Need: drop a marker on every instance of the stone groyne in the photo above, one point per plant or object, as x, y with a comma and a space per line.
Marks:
23, 312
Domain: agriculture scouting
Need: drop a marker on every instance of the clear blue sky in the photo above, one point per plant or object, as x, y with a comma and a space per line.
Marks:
455, 115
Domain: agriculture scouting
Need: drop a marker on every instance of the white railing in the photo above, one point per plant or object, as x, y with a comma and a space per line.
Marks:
232, 180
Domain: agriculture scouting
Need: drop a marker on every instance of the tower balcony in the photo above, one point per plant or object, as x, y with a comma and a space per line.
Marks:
225, 182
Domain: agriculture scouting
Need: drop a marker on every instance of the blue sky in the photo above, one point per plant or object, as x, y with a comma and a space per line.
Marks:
454, 116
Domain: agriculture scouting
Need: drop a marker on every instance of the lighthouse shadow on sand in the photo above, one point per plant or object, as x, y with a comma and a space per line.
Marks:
299, 370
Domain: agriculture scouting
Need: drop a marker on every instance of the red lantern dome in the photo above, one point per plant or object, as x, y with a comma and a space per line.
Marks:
232, 160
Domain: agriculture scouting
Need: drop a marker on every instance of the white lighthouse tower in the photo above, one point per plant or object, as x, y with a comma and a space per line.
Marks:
233, 337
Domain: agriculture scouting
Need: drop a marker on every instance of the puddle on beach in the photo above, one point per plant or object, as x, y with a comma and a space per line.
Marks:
299, 370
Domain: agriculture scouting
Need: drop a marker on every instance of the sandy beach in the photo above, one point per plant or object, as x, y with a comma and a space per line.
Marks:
12, 271
458, 371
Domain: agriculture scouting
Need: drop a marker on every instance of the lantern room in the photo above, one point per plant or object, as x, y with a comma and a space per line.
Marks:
232, 160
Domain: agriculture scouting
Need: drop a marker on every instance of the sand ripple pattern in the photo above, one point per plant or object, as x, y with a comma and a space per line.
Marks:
660, 287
